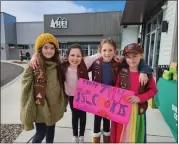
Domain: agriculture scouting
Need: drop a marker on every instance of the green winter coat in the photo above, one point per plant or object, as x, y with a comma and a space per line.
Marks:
55, 102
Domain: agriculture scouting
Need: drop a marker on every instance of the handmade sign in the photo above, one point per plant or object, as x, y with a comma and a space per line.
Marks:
103, 100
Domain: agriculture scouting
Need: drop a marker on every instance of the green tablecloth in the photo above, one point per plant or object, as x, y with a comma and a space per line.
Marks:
167, 102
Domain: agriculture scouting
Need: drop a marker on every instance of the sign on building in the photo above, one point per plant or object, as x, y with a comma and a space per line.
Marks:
59, 23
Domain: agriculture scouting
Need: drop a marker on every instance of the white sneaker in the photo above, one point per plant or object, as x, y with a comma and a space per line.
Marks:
75, 139
81, 139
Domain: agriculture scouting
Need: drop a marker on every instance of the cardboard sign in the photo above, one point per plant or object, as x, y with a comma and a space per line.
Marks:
103, 100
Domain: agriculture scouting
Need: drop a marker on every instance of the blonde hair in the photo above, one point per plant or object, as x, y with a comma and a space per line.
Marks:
108, 41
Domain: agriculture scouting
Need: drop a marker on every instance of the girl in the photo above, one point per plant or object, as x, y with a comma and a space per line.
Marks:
76, 67
104, 70
135, 130
43, 100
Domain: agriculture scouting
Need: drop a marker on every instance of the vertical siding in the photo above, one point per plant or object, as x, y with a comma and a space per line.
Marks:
167, 37
129, 35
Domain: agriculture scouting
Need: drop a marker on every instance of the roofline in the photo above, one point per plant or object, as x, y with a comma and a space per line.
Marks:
32, 22
8, 14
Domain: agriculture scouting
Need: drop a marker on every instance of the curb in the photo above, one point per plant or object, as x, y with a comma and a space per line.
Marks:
15, 79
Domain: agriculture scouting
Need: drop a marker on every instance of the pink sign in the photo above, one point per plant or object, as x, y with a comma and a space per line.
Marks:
103, 100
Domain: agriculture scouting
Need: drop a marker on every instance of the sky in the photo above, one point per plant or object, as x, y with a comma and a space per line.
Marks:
27, 11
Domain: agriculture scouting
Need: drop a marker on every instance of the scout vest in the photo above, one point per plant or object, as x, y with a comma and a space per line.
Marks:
96, 69
40, 84
125, 84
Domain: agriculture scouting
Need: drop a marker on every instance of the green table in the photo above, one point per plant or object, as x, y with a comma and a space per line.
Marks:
167, 102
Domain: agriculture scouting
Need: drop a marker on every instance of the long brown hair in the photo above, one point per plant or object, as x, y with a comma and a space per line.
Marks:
55, 58
73, 46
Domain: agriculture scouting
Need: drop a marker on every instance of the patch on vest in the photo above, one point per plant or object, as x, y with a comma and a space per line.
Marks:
123, 85
39, 95
98, 62
124, 73
37, 101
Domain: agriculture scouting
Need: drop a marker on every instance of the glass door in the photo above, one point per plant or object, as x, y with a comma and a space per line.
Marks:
152, 49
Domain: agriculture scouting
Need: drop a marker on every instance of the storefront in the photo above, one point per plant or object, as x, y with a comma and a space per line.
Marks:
87, 29
158, 36
158, 22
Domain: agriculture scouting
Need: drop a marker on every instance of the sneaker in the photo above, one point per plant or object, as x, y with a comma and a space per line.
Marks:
75, 139
81, 139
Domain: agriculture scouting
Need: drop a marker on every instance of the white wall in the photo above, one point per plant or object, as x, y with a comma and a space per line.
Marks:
27, 32
166, 43
129, 35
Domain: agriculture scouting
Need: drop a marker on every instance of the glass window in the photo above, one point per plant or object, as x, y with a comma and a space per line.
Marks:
151, 49
160, 18
158, 47
154, 23
147, 47
149, 27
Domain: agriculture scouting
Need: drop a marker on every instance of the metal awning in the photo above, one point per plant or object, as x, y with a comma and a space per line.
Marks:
138, 11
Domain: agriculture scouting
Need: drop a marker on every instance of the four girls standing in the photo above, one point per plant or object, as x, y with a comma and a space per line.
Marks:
50, 79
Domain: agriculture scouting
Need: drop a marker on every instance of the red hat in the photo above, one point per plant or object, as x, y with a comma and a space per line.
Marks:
132, 48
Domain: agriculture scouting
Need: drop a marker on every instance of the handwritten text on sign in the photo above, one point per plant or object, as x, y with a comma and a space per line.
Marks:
103, 100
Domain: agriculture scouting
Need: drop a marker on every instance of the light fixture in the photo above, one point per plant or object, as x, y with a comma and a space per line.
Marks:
164, 26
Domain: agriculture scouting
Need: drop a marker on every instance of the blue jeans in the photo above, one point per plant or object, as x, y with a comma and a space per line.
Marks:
43, 130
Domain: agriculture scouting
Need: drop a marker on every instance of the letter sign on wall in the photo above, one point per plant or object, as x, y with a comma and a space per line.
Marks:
59, 23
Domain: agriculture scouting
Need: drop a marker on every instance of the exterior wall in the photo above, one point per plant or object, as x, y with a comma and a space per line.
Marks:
174, 55
10, 29
3, 45
167, 38
27, 32
77, 38
8, 36
94, 24
129, 35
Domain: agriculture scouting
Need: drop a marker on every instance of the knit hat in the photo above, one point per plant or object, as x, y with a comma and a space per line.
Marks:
45, 38
132, 48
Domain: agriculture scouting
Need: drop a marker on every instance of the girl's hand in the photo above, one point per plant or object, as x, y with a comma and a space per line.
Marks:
133, 99
34, 62
143, 78
118, 58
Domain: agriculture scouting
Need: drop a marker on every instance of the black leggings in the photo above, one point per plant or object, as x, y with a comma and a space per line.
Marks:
76, 115
97, 124
41, 131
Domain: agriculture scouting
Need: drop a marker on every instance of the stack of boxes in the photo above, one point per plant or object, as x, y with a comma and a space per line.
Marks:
171, 74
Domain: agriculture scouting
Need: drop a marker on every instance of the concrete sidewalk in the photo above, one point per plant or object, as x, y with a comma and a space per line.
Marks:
157, 129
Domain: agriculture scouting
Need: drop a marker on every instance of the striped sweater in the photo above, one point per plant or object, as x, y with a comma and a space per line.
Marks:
55, 102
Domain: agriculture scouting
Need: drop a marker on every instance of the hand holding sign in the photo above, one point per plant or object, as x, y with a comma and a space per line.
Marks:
103, 100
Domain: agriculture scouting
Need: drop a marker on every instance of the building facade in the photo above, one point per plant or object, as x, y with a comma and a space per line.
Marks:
157, 22
87, 29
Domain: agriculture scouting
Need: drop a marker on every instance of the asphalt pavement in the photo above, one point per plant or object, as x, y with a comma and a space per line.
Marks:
9, 72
